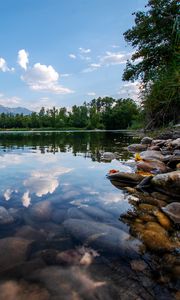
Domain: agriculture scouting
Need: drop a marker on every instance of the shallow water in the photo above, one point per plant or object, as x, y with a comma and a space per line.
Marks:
62, 238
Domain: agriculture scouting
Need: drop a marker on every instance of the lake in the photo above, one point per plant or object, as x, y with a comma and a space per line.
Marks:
61, 234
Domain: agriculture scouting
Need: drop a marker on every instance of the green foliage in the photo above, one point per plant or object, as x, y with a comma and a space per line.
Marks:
156, 36
101, 113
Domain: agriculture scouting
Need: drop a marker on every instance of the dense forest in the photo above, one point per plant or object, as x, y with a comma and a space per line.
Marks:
101, 113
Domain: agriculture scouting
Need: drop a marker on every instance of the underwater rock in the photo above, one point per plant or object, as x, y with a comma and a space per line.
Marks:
30, 233
41, 211
5, 217
173, 211
168, 183
138, 265
21, 290
13, 251
146, 140
163, 219
102, 236
137, 147
151, 155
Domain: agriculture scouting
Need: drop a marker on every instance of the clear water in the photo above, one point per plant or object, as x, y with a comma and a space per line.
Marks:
54, 186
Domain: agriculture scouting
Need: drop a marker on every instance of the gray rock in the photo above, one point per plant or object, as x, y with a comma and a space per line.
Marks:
108, 156
5, 217
152, 154
137, 147
169, 183
146, 140
176, 143
13, 251
173, 211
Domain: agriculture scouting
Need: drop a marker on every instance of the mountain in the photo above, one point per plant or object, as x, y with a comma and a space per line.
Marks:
14, 110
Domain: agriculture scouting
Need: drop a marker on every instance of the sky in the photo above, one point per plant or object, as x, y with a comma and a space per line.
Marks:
64, 52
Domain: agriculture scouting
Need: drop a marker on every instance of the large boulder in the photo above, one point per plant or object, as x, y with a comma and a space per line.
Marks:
168, 183
151, 155
127, 178
101, 236
153, 166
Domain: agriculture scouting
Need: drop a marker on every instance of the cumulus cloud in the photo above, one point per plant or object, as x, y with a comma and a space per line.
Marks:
73, 56
42, 183
84, 51
44, 78
130, 90
4, 67
23, 59
9, 101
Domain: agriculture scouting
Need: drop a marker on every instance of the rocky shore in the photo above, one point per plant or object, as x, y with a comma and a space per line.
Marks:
154, 195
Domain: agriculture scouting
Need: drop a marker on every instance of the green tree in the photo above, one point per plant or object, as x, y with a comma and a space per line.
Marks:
156, 36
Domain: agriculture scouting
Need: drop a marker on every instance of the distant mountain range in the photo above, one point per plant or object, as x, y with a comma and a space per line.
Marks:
14, 110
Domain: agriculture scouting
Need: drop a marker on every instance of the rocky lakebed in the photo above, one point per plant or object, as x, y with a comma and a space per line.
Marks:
49, 251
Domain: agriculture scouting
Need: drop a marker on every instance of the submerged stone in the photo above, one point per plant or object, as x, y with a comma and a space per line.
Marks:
41, 211
5, 217
101, 236
13, 251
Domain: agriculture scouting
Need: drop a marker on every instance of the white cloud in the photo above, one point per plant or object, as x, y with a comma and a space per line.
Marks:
114, 58
91, 68
109, 59
4, 67
42, 183
9, 101
115, 46
7, 194
26, 199
73, 56
44, 78
91, 94
23, 58
130, 90
66, 75
84, 51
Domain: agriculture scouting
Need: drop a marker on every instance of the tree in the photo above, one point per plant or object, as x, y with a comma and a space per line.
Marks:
156, 37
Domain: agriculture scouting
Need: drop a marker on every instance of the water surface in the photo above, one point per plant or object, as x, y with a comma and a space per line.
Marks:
64, 229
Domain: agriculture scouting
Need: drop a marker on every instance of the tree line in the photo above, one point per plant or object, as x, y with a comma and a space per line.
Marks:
100, 113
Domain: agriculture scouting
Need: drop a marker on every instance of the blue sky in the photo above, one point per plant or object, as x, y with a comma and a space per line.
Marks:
64, 52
